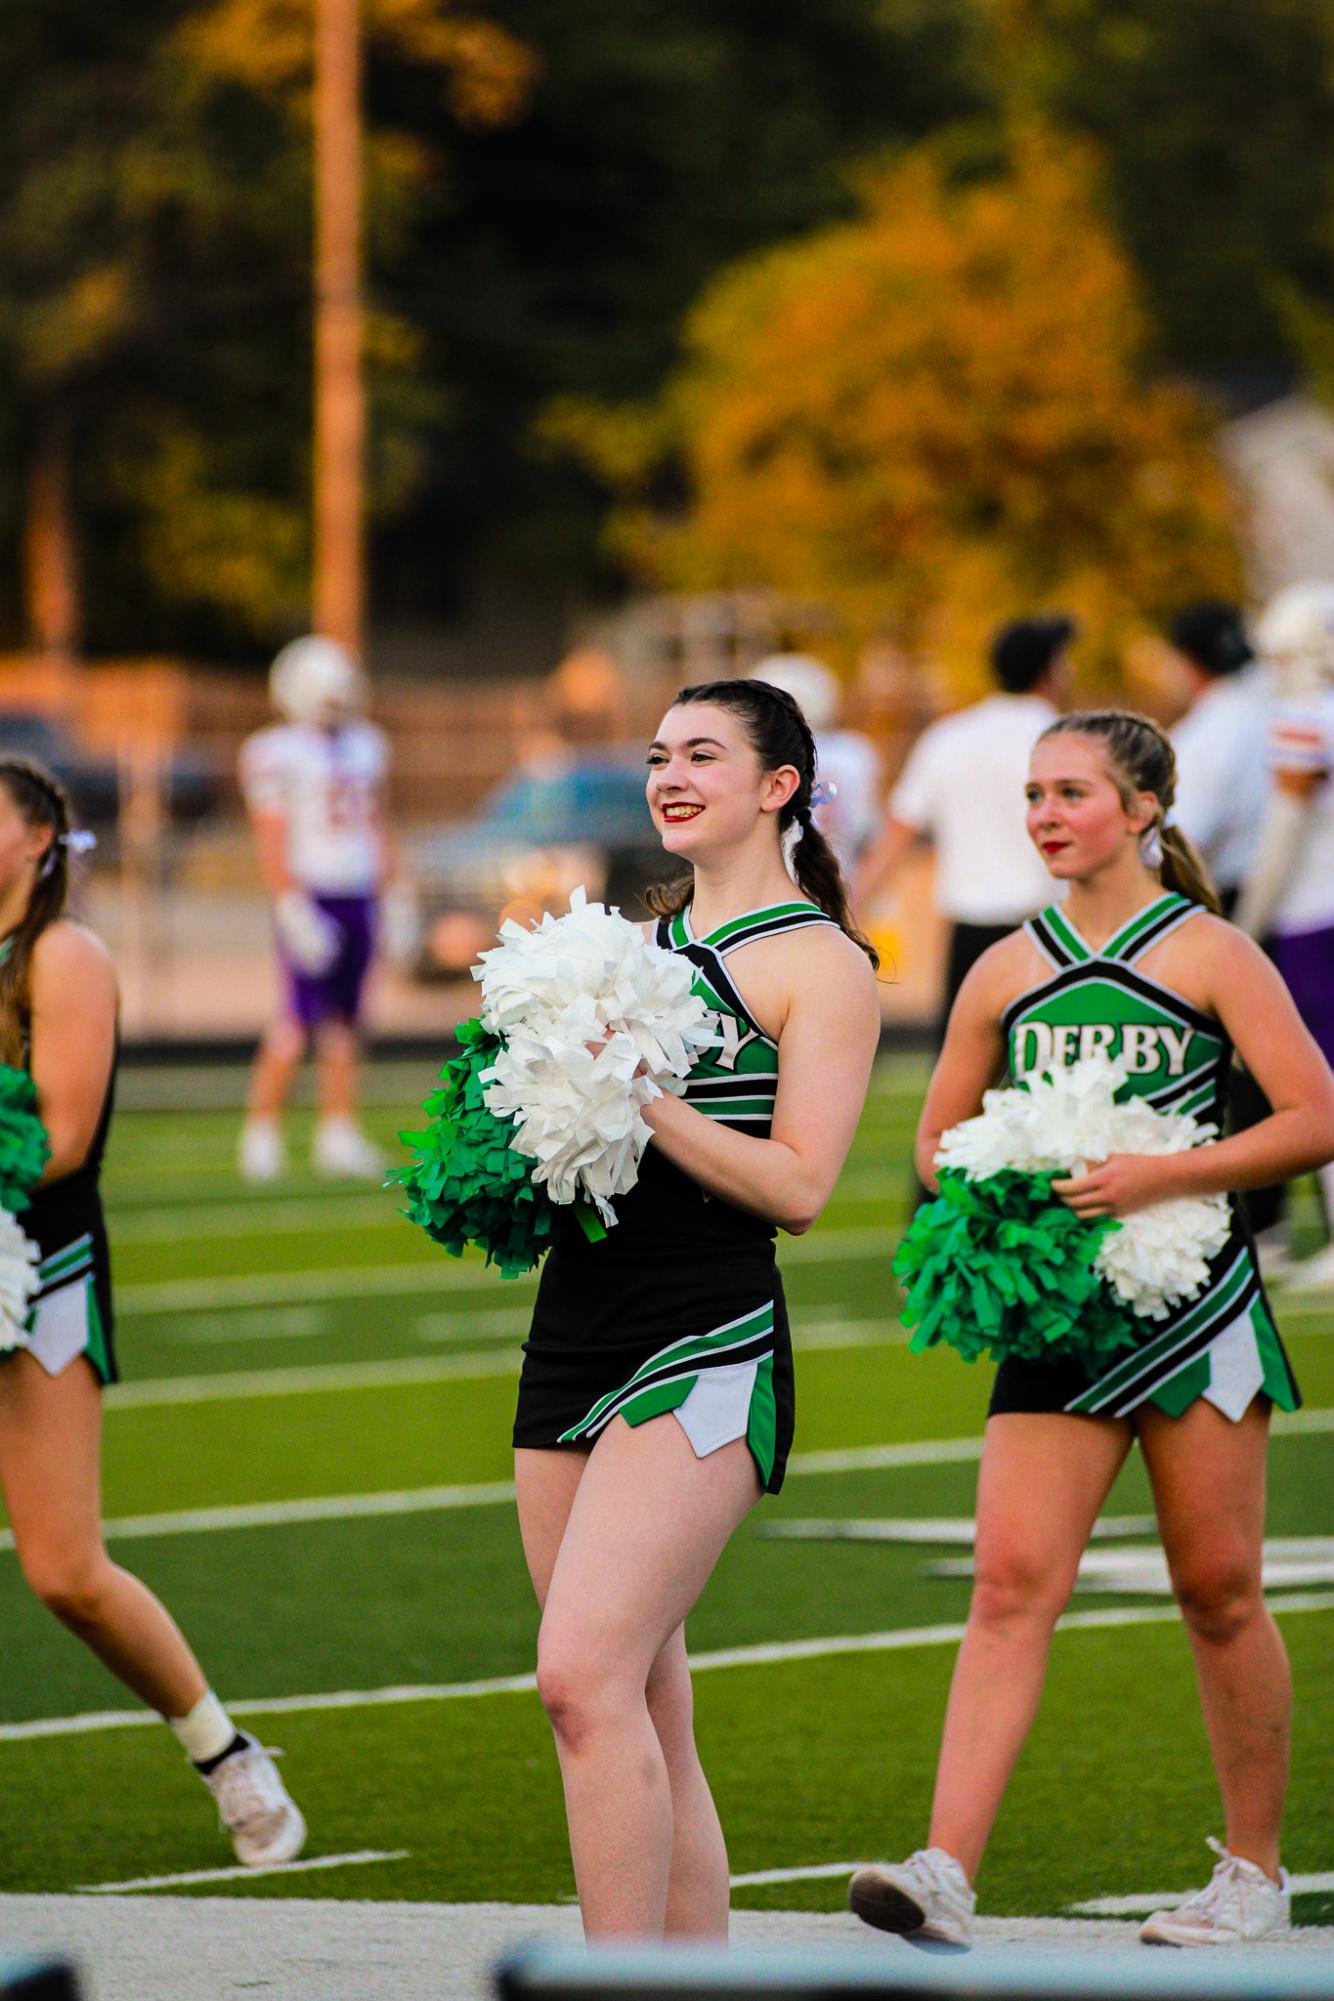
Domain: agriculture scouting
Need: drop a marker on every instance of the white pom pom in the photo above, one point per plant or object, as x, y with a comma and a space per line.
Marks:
596, 1023
19, 1259
1066, 1121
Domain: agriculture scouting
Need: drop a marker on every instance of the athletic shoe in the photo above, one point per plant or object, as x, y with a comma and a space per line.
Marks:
1313, 1273
343, 1153
927, 1896
260, 1155
255, 1808
1238, 1903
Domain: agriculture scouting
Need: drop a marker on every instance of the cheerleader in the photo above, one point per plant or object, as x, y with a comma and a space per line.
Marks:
1134, 962
656, 1400
58, 1011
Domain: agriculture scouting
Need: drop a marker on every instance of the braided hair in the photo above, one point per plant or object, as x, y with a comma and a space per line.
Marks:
1140, 758
779, 734
43, 802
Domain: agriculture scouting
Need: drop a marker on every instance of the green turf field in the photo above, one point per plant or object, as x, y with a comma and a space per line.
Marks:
309, 1460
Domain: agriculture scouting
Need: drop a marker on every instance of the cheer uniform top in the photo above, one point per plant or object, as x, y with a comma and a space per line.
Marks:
1223, 1344
71, 1313
680, 1306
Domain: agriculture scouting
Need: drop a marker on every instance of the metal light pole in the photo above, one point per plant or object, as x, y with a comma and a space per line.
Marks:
340, 420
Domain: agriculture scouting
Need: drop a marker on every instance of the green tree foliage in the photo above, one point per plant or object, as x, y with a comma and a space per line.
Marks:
932, 416
1215, 119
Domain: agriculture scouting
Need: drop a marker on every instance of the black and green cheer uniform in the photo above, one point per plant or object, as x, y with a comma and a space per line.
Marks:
71, 1314
680, 1307
1223, 1344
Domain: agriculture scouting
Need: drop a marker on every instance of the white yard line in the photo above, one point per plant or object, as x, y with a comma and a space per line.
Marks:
775, 1653
1153, 1900
231, 1289
489, 1493
756, 1879
242, 1873
468, 1365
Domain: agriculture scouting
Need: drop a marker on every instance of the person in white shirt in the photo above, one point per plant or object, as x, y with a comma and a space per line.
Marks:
314, 787
1288, 897
963, 789
1221, 799
1222, 781
847, 808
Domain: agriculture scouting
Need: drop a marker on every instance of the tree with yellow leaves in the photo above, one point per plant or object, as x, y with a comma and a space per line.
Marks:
929, 418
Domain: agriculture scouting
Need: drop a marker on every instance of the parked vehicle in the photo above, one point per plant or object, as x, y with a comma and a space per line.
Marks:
539, 835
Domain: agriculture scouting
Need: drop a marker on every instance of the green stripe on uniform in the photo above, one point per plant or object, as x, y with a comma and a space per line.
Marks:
1140, 923
1064, 936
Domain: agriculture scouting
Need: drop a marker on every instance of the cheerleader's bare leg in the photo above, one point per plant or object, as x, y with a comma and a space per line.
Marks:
646, 1523
50, 1460
1208, 1479
1043, 1479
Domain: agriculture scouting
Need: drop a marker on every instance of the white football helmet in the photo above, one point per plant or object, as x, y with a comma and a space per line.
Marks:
811, 685
1295, 634
314, 680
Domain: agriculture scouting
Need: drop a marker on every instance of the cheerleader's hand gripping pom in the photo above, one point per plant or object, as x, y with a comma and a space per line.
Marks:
24, 1152
583, 1024
999, 1265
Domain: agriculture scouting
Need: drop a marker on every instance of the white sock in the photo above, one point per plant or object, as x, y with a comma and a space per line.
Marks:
205, 1732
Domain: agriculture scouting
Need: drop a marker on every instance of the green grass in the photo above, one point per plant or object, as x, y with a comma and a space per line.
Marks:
815, 1760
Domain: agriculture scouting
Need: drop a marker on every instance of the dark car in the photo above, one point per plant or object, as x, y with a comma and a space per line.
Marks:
539, 835
93, 782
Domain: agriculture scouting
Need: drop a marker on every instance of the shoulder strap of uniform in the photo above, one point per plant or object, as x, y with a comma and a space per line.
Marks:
1058, 944
768, 923
1146, 927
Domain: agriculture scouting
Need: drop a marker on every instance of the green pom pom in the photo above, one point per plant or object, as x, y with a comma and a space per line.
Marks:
24, 1148
1000, 1267
466, 1184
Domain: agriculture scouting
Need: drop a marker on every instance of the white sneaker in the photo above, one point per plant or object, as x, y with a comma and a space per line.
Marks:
1313, 1273
255, 1807
343, 1152
260, 1154
928, 1896
1239, 1902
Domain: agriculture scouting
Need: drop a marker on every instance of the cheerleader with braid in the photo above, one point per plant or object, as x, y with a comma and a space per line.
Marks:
1136, 963
656, 1400
58, 1013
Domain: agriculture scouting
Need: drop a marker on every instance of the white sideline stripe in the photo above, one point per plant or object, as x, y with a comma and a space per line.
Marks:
487, 1493
242, 1873
755, 1879
466, 1365
775, 1653
1154, 1900
439, 1275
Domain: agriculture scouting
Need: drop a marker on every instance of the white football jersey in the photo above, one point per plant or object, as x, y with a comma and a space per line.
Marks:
1302, 741
327, 784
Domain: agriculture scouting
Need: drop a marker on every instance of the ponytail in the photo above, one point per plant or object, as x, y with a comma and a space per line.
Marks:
1185, 870
43, 802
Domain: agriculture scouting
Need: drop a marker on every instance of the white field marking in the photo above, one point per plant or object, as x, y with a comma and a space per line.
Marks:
773, 1653
444, 1274
480, 1494
755, 1879
425, 1500
960, 1530
290, 1216
283, 1514
446, 1326
464, 1366
1289, 1561
283, 1322
1153, 1900
243, 1872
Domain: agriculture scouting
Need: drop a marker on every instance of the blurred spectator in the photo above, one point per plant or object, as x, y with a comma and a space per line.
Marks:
1289, 893
1222, 783
963, 789
1221, 798
847, 762
314, 785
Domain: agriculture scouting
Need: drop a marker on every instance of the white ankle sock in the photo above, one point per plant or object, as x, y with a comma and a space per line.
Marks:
205, 1732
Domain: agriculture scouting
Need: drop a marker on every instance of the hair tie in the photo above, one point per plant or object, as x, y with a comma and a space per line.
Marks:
75, 841
1151, 846
823, 791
